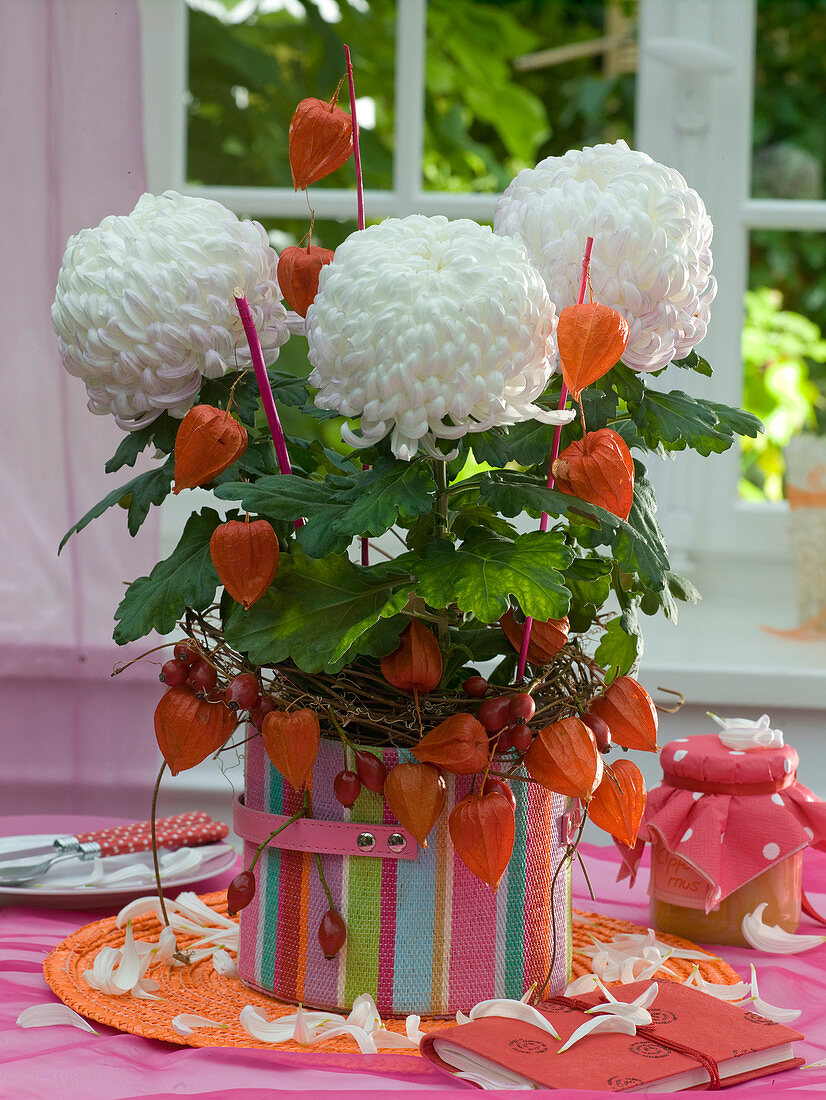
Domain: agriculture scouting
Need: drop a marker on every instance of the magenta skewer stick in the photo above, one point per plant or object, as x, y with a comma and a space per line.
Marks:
365, 545
549, 483
264, 386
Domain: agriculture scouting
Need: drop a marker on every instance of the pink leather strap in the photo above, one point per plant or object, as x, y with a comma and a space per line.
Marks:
308, 834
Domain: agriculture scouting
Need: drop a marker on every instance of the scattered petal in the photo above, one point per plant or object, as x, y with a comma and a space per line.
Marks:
461, 1018
364, 1013
587, 983
366, 1043
185, 1022
303, 1033
627, 1011
224, 963
599, 1023
52, 1015
256, 1024
392, 1040
414, 1031
513, 1010
771, 1012
772, 938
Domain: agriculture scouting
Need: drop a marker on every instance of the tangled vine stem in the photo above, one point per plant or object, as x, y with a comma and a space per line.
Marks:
373, 712
571, 850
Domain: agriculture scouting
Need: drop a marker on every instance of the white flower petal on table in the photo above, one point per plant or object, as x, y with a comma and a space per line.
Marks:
638, 1016
599, 1023
513, 1010
773, 939
392, 1040
138, 908
303, 1032
720, 990
413, 1029
461, 1018
587, 983
256, 1024
364, 1013
771, 1012
185, 1023
53, 1015
96, 874
366, 1043
528, 994
100, 975
128, 973
224, 964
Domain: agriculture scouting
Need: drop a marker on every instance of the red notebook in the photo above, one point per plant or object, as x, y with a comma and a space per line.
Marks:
507, 1052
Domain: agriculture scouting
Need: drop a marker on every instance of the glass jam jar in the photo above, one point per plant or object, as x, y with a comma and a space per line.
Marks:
727, 828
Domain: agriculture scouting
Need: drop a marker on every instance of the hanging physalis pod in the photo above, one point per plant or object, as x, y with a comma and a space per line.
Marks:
415, 794
417, 663
189, 729
321, 140
630, 714
619, 802
209, 440
591, 339
599, 469
298, 270
245, 556
482, 828
458, 745
564, 758
547, 638
292, 739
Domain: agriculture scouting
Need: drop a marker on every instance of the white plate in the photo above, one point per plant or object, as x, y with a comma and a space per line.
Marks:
65, 886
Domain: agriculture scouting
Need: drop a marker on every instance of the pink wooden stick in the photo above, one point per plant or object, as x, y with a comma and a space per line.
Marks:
264, 386
365, 545
549, 483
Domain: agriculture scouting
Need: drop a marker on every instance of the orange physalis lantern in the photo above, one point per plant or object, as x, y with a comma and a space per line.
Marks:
209, 440
245, 556
189, 729
417, 663
482, 828
292, 739
591, 339
459, 745
547, 638
630, 714
320, 139
619, 802
598, 468
298, 272
415, 794
564, 758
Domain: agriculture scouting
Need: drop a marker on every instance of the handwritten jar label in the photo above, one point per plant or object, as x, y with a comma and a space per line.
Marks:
675, 881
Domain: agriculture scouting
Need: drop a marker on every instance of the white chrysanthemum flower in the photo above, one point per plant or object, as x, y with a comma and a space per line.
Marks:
430, 329
651, 259
145, 306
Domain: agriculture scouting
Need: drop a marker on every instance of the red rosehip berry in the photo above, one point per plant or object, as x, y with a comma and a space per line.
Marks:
186, 652
260, 709
475, 686
240, 892
493, 713
242, 692
347, 787
371, 771
521, 708
601, 731
202, 677
492, 784
521, 736
332, 932
174, 673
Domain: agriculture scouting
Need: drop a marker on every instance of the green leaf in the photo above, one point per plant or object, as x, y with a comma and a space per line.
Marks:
187, 578
589, 580
678, 420
138, 496
365, 502
484, 570
637, 543
319, 611
160, 433
621, 645
694, 362
735, 420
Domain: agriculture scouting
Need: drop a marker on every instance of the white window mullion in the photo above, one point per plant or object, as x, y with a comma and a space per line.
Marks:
164, 55
411, 38
784, 214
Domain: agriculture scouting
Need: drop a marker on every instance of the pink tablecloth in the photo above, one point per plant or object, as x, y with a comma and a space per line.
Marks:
38, 1064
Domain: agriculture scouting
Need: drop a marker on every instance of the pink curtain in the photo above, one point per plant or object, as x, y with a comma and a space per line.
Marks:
71, 152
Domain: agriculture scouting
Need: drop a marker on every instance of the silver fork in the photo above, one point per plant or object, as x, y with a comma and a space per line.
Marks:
23, 871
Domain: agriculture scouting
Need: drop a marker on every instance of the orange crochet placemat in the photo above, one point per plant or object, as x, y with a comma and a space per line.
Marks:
200, 990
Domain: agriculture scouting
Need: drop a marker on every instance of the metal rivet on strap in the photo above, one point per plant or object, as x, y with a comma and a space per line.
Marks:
366, 841
396, 842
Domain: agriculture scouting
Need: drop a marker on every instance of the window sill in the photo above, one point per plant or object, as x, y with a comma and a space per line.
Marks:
720, 653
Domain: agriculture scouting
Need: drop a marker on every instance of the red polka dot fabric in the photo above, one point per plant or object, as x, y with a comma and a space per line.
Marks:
729, 838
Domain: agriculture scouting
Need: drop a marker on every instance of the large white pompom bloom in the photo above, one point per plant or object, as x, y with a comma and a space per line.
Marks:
652, 238
145, 305
430, 329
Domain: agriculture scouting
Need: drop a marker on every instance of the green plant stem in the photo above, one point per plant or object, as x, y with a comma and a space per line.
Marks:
320, 870
570, 852
157, 865
301, 813
442, 526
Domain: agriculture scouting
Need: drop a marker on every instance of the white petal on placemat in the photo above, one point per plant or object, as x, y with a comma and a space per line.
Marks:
771, 1012
627, 1011
513, 1010
772, 938
723, 992
413, 1029
52, 1015
364, 1013
392, 1040
366, 1044
224, 963
527, 996
185, 1023
303, 1033
138, 908
257, 1025
461, 1018
587, 983
600, 1023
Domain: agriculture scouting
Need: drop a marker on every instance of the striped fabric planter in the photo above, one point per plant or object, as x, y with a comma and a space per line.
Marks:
423, 936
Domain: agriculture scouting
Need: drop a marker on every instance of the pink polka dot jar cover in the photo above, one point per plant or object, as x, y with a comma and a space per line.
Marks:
730, 813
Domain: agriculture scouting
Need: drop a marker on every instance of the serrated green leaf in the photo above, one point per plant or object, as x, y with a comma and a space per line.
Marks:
479, 575
589, 580
637, 543
527, 443
737, 421
694, 362
678, 420
187, 578
682, 588
138, 495
319, 611
160, 434
620, 647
